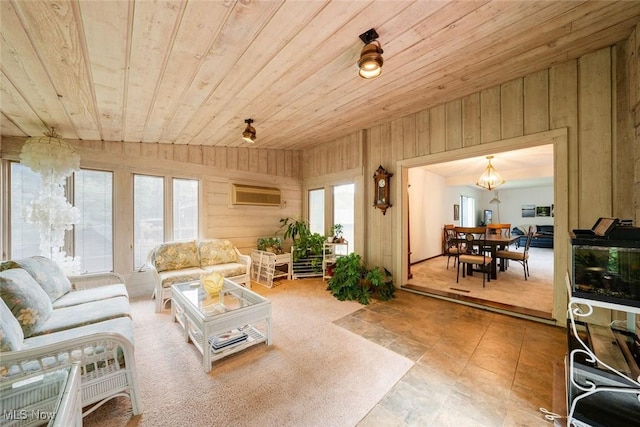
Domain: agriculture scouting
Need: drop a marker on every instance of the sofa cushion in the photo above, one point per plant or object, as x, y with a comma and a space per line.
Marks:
28, 302
171, 277
11, 335
175, 256
83, 314
216, 251
227, 270
91, 294
545, 230
48, 274
121, 325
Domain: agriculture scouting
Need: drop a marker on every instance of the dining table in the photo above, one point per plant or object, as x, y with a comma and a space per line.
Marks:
494, 242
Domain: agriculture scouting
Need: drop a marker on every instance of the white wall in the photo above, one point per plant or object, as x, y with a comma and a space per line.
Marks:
512, 201
431, 206
426, 193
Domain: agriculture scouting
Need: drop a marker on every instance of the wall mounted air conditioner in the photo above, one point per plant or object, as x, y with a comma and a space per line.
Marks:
242, 194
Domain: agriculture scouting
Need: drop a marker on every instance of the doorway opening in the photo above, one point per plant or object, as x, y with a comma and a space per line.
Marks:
445, 193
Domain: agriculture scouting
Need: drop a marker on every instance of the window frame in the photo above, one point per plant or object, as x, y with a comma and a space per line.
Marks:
122, 210
360, 204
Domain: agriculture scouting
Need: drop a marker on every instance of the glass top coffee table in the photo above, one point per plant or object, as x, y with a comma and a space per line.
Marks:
50, 397
224, 324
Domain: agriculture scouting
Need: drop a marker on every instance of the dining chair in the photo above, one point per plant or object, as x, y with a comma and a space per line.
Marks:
451, 248
502, 229
521, 257
467, 239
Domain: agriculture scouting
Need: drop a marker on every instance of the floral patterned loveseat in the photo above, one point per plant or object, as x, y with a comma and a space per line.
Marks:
178, 262
49, 320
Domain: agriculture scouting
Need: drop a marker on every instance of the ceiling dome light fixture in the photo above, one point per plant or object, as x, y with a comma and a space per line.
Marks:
490, 179
249, 133
370, 62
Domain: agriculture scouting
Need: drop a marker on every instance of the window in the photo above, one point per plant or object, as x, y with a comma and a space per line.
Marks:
344, 211
467, 211
185, 209
155, 216
25, 185
148, 216
93, 235
316, 211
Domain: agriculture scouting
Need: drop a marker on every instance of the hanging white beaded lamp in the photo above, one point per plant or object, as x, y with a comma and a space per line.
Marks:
50, 156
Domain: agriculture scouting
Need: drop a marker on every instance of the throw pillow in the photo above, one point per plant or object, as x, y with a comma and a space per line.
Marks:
217, 251
11, 335
5, 265
28, 302
48, 274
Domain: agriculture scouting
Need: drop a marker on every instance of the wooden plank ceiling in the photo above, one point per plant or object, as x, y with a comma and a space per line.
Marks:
191, 72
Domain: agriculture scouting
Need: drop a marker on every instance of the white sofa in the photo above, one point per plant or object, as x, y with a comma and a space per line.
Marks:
178, 262
49, 320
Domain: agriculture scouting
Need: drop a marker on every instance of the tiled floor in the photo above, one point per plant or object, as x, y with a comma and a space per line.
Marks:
472, 367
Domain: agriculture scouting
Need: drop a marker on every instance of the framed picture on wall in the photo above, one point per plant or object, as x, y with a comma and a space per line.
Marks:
528, 211
456, 212
543, 210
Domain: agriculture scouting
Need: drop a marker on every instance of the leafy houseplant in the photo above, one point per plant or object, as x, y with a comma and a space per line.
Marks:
305, 243
352, 281
270, 244
294, 229
336, 231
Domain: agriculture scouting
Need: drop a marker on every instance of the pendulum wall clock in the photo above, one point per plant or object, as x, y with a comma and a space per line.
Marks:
382, 189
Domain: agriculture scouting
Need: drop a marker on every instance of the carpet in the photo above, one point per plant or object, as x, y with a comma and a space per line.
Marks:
510, 288
314, 374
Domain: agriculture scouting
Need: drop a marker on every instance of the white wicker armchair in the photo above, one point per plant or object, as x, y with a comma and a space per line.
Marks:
103, 350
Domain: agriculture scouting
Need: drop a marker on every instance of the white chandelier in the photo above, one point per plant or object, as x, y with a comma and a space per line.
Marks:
54, 160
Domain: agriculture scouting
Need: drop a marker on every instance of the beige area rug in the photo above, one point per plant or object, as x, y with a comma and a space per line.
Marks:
510, 287
314, 374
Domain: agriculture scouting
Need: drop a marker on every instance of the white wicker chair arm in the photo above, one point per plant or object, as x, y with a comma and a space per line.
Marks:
55, 354
93, 280
244, 259
106, 361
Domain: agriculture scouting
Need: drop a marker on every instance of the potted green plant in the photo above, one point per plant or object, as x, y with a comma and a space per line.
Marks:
307, 246
352, 281
270, 244
294, 229
336, 231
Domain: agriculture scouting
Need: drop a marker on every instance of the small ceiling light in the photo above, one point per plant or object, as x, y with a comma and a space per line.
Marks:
249, 133
490, 179
370, 62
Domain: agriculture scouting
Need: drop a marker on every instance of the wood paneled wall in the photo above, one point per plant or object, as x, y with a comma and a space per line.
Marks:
633, 58
589, 100
338, 156
216, 167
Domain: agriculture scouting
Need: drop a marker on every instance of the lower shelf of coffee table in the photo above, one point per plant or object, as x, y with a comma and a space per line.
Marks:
254, 337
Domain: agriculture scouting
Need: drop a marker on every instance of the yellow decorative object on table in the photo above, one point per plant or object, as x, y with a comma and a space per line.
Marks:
212, 283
